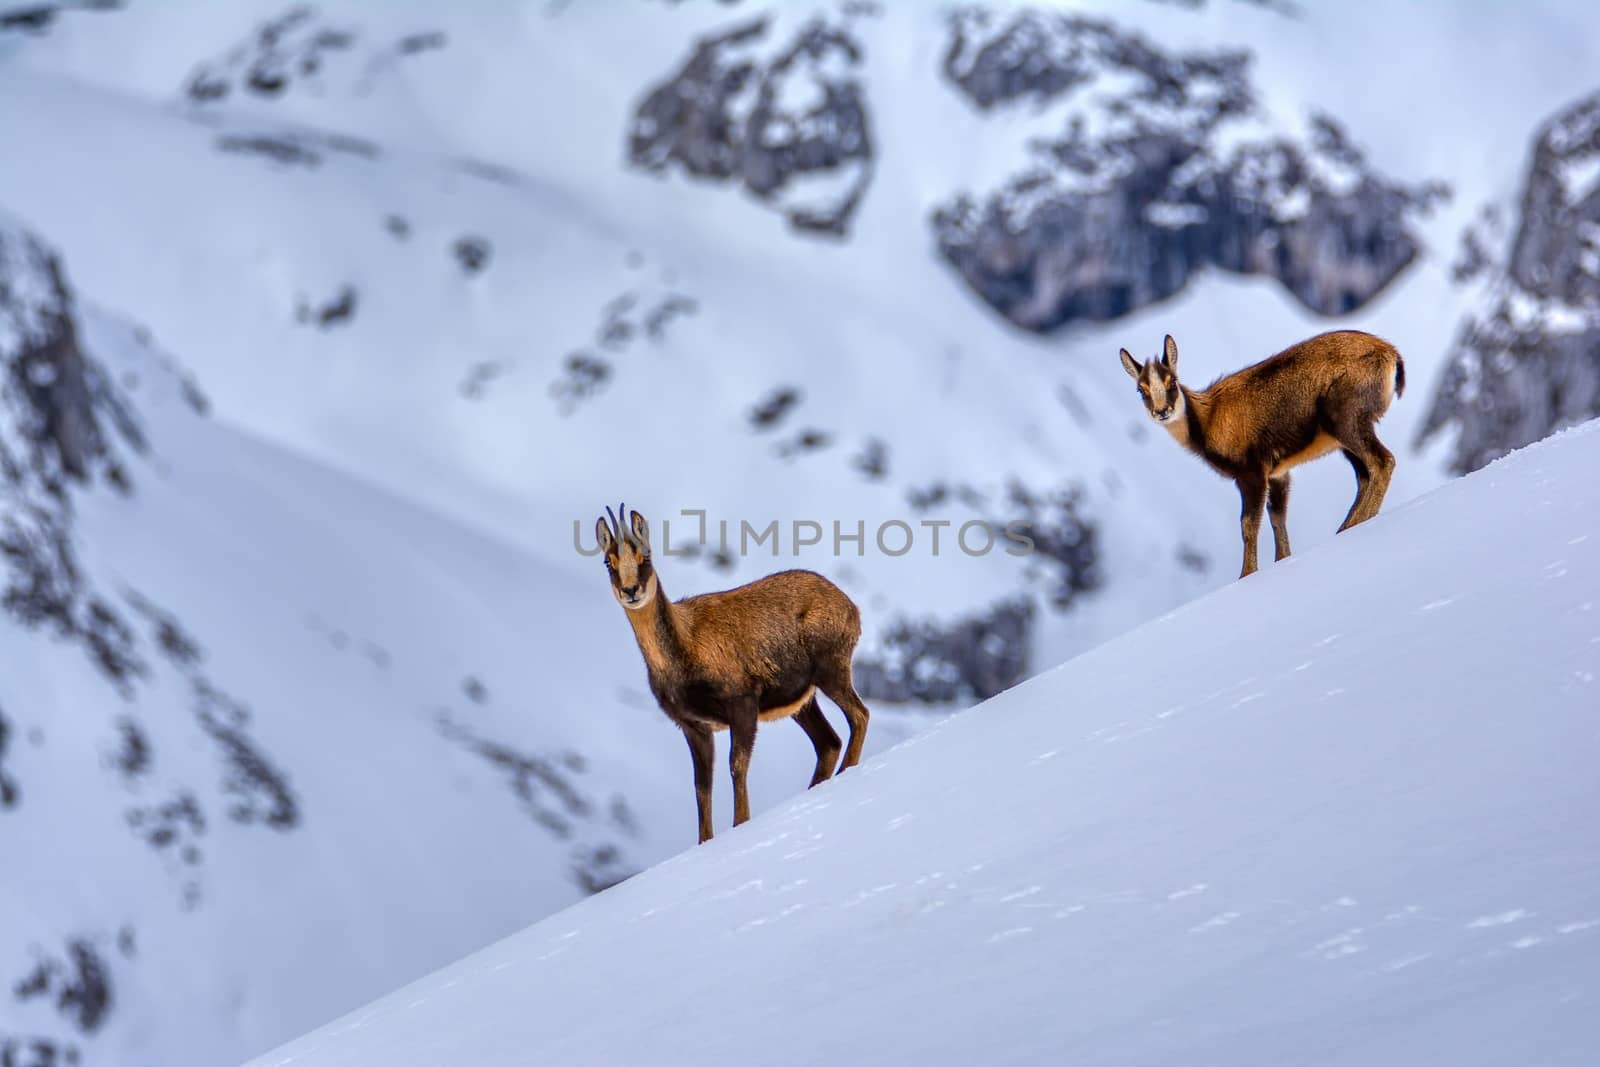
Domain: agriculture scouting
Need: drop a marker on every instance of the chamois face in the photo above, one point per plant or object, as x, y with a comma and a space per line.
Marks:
627, 555
1158, 382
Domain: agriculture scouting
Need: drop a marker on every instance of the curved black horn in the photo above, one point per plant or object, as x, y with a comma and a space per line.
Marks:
616, 528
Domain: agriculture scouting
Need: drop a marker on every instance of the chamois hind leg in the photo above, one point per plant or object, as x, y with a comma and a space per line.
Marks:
1374, 466
742, 741
823, 739
1278, 510
1252, 495
703, 750
840, 689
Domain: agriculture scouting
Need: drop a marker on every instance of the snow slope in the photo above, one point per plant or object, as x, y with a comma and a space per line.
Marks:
1339, 813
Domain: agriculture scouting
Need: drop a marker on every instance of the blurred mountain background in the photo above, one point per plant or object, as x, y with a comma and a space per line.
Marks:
322, 328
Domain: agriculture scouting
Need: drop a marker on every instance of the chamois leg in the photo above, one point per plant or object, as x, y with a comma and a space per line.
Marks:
1252, 496
823, 739
742, 741
1374, 466
1278, 510
842, 691
703, 750
1381, 463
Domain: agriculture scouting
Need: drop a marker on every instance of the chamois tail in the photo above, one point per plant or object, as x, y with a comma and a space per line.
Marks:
1399, 375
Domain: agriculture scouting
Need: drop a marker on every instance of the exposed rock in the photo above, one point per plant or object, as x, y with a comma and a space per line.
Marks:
38, 18
60, 421
773, 410
624, 319
289, 151
1528, 363
730, 114
546, 787
131, 757
872, 460
1153, 180
260, 791
970, 659
472, 253
300, 49
337, 311
807, 440
9, 792
77, 980
1055, 524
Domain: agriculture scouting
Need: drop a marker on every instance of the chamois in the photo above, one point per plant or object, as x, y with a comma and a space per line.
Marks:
1256, 424
726, 661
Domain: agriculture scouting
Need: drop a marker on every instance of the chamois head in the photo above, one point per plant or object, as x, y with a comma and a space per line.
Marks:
627, 552
1158, 382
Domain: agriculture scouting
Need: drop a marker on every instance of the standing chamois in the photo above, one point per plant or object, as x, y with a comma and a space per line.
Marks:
726, 661
1256, 424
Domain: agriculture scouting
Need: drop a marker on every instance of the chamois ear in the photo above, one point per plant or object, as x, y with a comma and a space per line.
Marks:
1169, 354
602, 534
641, 530
1130, 365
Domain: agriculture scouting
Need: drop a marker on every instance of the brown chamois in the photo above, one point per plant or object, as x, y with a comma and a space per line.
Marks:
1257, 424
726, 661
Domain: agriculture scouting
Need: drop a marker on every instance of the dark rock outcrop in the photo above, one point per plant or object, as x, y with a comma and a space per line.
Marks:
1150, 181
77, 980
61, 423
727, 115
970, 659
300, 49
549, 789
1528, 363
9, 791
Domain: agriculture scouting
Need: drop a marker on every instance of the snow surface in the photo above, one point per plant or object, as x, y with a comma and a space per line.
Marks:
1341, 812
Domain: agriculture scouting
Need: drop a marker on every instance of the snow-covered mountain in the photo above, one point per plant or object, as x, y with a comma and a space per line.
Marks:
324, 328
1319, 834
1527, 358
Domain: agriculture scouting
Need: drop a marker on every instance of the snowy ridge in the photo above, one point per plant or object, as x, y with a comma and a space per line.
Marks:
1348, 821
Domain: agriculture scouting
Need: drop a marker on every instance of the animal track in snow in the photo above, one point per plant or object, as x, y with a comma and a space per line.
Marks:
1345, 944
1403, 962
1215, 922
1504, 918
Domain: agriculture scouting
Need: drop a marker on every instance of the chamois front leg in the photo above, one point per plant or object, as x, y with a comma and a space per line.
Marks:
1278, 509
703, 750
1252, 497
742, 735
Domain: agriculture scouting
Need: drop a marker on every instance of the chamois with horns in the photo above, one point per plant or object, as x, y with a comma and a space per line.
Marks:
730, 660
1257, 424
